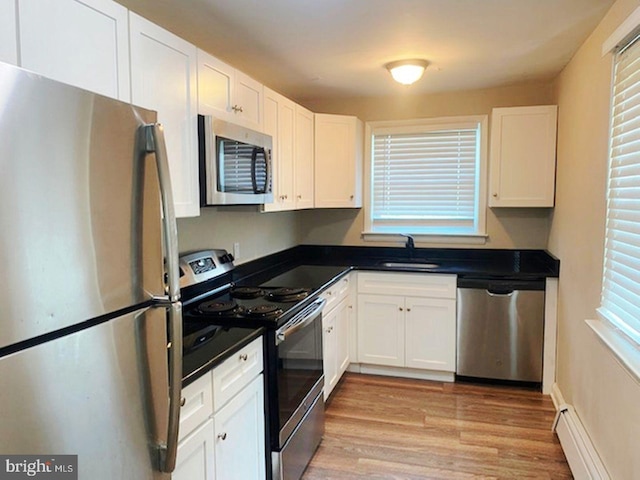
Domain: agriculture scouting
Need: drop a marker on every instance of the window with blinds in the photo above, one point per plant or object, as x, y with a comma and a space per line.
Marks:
426, 180
621, 277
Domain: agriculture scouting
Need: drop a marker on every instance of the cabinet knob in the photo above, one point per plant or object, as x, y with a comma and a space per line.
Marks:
495, 195
222, 436
401, 309
286, 196
408, 309
236, 109
350, 197
299, 197
183, 401
244, 357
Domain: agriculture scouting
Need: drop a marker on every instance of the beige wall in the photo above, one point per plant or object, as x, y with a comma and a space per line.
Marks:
606, 398
507, 228
258, 233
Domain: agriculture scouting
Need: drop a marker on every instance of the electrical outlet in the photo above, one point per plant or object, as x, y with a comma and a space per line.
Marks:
236, 250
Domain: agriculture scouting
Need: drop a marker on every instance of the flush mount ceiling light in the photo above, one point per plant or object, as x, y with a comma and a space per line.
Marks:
407, 72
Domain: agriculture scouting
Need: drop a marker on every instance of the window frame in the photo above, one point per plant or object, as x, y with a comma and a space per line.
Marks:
478, 234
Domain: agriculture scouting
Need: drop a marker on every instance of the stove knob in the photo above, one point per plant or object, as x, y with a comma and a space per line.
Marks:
225, 259
230, 257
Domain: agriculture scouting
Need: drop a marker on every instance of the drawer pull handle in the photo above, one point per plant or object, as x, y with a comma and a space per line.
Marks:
222, 436
243, 357
183, 401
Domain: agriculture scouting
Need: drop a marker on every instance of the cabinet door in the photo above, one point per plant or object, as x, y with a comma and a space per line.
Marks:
248, 101
270, 127
80, 42
381, 330
163, 74
342, 334
330, 353
195, 459
216, 86
338, 161
523, 156
8, 32
431, 333
286, 147
303, 165
240, 436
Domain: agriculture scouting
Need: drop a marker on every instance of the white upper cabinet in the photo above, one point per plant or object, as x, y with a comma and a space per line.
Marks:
227, 93
304, 155
338, 161
8, 32
80, 42
163, 78
291, 127
523, 156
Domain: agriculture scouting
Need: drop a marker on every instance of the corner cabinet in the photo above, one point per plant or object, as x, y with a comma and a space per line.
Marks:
84, 43
523, 156
338, 161
164, 78
222, 425
227, 93
407, 320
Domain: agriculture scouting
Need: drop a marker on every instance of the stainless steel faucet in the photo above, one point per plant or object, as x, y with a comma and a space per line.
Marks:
410, 243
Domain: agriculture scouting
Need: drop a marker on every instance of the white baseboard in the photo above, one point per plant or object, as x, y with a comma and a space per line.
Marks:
403, 372
581, 455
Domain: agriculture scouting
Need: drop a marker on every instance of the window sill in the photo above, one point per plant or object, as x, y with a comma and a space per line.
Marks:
627, 354
475, 239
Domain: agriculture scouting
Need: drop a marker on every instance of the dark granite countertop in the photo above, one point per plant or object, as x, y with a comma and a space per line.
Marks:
226, 341
317, 267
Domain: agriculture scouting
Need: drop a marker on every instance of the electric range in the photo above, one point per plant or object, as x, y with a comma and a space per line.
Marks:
289, 309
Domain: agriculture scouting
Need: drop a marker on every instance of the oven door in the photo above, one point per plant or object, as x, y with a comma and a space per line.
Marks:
299, 367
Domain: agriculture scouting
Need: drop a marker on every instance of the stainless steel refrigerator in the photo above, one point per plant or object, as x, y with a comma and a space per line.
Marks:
90, 318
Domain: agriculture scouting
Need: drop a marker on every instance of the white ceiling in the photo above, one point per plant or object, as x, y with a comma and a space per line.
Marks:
309, 49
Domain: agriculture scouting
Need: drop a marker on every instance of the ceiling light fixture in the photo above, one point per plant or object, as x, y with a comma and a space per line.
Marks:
407, 72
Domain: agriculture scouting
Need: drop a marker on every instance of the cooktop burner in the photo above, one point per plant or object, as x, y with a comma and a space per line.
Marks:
247, 292
288, 294
220, 308
264, 312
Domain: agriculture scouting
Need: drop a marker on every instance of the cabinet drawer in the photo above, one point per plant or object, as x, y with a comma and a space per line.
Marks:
407, 284
236, 372
198, 405
335, 293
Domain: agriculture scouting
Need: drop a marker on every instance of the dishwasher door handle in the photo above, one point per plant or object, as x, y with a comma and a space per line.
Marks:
500, 294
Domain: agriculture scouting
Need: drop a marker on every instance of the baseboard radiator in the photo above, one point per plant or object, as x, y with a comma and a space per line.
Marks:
576, 444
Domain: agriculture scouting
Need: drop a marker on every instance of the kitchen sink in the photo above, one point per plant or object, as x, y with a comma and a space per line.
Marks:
415, 264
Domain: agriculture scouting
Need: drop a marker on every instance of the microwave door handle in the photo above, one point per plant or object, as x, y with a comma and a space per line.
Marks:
267, 170
254, 161
254, 170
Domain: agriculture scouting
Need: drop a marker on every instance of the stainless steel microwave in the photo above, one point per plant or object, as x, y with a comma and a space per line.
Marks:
235, 164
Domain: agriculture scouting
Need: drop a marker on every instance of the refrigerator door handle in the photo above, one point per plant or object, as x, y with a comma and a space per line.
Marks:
154, 143
169, 451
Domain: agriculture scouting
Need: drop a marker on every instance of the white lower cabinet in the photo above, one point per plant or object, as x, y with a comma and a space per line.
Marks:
239, 435
222, 423
195, 459
336, 333
396, 330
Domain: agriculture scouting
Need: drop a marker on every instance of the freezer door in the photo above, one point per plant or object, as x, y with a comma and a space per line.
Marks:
100, 393
80, 207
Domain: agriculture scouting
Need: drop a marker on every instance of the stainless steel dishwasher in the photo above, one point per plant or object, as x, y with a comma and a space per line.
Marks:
500, 329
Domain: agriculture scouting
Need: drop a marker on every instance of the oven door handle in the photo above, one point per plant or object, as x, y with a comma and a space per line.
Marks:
300, 321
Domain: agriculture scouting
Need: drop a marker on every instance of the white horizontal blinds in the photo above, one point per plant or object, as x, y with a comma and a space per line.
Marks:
426, 178
237, 165
621, 282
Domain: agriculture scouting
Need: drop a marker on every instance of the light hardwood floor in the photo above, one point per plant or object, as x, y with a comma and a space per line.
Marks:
391, 428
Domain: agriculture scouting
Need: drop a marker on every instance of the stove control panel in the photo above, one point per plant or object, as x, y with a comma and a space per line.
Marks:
196, 267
